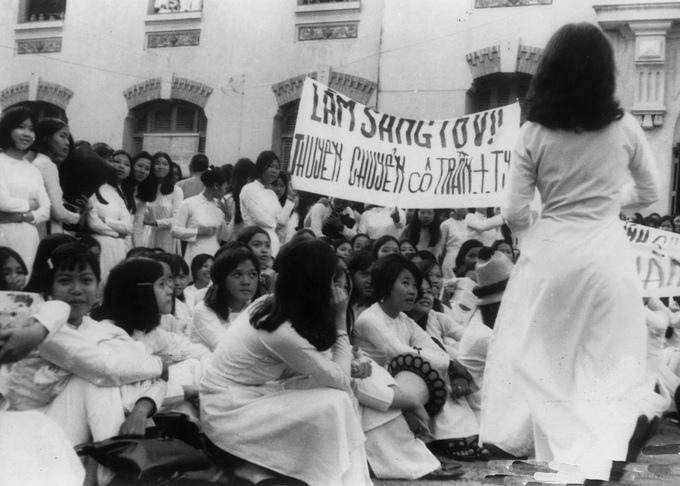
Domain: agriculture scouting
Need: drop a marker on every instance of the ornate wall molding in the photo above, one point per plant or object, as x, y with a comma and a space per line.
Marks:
484, 61
13, 95
190, 90
290, 89
651, 71
313, 32
39, 46
138, 94
487, 61
355, 87
178, 38
54, 93
527, 59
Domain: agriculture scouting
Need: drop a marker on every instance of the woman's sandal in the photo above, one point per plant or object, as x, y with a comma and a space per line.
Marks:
462, 450
459, 449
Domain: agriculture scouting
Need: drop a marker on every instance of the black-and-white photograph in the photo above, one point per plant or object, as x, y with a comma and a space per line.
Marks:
339, 242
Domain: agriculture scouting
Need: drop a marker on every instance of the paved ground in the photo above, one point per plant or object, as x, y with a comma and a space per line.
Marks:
652, 468
656, 466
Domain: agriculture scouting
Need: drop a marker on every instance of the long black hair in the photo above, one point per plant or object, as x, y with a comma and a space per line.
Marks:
244, 171
129, 185
574, 85
148, 188
415, 227
46, 128
5, 254
302, 293
217, 297
129, 299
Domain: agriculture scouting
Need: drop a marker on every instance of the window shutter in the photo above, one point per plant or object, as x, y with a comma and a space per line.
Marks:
185, 119
162, 120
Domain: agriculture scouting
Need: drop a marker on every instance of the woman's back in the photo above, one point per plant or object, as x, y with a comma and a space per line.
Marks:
580, 175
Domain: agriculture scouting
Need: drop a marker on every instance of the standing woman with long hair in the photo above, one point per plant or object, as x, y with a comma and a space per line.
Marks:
289, 335
202, 220
53, 144
569, 342
141, 167
424, 232
22, 190
259, 204
109, 219
162, 200
244, 173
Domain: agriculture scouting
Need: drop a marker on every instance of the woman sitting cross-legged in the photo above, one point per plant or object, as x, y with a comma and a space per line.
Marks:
139, 292
384, 333
270, 395
87, 375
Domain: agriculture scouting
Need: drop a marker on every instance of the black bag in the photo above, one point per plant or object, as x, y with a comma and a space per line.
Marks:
156, 457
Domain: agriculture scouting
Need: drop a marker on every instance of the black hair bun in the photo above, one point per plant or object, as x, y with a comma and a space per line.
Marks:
485, 253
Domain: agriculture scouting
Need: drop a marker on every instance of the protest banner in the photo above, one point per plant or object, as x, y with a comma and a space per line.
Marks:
657, 255
344, 149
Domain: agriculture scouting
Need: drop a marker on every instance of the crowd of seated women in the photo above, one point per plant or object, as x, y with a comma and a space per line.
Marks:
279, 322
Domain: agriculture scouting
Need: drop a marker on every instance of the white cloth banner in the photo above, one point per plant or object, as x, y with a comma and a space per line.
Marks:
344, 149
657, 255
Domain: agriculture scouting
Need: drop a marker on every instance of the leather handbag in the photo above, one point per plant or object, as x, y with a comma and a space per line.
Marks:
156, 457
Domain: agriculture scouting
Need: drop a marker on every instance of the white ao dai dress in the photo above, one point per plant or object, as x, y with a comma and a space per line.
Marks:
19, 183
567, 357
199, 211
162, 210
289, 405
110, 224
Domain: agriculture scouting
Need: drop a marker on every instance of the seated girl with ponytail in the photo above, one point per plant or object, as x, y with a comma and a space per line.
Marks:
235, 275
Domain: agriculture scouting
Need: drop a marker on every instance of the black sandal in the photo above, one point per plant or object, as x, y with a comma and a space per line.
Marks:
458, 449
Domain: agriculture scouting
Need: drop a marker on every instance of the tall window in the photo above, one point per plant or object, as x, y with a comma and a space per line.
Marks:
284, 127
173, 126
43, 109
41, 10
499, 89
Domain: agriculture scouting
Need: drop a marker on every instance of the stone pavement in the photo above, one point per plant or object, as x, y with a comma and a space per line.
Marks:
656, 466
652, 468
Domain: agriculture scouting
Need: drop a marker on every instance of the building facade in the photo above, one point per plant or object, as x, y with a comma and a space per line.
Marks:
224, 76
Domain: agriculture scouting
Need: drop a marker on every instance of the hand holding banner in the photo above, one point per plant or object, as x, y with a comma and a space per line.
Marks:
344, 149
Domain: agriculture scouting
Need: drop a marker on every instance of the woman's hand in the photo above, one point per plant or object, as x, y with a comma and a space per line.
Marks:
83, 204
448, 291
339, 301
361, 365
460, 378
33, 204
418, 421
135, 423
395, 215
225, 208
206, 230
15, 344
